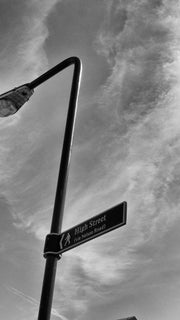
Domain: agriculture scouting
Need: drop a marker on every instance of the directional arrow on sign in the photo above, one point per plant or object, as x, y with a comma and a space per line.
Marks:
87, 230
61, 241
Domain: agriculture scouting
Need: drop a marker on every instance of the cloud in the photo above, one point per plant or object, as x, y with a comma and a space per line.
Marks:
132, 154
30, 51
137, 154
142, 96
140, 53
23, 36
33, 301
22, 58
142, 91
25, 33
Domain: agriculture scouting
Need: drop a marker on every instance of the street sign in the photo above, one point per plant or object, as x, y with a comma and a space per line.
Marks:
87, 230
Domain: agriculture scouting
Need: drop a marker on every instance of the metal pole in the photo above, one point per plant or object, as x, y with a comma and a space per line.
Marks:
51, 260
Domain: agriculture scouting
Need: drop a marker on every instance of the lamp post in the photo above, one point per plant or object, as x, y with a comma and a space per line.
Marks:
11, 102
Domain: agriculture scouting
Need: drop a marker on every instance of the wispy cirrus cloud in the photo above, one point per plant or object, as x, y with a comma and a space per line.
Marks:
137, 154
32, 301
135, 141
24, 32
22, 45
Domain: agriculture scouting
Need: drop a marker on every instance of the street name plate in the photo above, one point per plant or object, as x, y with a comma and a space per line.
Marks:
87, 230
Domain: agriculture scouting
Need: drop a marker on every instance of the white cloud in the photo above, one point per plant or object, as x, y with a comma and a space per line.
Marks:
23, 53
30, 51
23, 58
135, 158
140, 150
33, 301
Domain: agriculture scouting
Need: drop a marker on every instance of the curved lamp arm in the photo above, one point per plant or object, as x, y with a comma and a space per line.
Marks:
12, 100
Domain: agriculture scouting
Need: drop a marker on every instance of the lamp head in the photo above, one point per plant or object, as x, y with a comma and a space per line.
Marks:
13, 100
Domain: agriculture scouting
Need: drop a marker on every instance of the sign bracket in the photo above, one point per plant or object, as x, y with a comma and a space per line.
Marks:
51, 246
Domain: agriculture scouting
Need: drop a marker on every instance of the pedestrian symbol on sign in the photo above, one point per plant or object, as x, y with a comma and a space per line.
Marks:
67, 239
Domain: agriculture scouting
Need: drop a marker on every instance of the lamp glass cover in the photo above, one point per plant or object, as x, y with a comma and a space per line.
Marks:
7, 107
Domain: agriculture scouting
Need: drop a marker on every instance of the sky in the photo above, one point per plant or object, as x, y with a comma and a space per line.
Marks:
126, 148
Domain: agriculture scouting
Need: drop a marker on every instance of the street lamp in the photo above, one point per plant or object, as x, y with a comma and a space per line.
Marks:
10, 103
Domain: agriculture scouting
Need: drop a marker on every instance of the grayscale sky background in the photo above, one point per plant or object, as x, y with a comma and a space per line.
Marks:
126, 148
